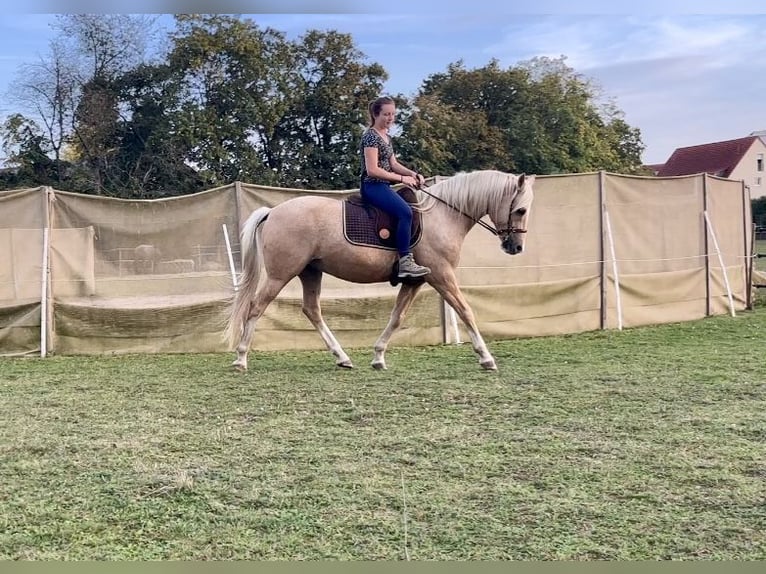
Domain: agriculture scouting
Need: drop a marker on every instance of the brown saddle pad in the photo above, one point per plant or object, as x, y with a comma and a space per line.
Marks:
364, 224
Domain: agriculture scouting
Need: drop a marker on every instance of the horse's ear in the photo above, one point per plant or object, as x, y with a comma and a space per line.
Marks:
521, 180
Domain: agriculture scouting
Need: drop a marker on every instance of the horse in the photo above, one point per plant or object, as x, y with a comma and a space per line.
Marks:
304, 237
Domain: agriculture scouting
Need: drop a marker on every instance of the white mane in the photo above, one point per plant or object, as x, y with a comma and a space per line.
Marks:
477, 191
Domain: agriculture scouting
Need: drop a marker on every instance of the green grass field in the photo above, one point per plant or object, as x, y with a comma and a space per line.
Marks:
644, 444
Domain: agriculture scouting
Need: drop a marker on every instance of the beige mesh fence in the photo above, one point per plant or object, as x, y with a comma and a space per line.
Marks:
81, 274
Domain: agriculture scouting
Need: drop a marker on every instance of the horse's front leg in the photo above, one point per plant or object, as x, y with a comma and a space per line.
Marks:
403, 301
446, 285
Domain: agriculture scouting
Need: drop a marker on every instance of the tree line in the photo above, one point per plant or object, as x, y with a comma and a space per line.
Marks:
119, 108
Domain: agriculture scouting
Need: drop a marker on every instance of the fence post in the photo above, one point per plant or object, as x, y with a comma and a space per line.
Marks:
750, 267
238, 213
602, 246
747, 223
707, 246
232, 269
618, 300
46, 292
722, 264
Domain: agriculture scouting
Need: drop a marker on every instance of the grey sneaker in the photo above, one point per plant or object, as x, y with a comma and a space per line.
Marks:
408, 267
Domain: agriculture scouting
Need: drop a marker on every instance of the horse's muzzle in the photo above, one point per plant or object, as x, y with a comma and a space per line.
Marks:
512, 247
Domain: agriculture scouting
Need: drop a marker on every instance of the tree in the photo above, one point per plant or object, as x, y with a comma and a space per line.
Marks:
47, 89
258, 107
234, 92
70, 94
28, 155
537, 117
151, 157
323, 127
460, 116
230, 100
581, 130
108, 45
759, 211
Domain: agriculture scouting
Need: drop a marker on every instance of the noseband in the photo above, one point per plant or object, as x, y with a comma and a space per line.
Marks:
508, 231
511, 229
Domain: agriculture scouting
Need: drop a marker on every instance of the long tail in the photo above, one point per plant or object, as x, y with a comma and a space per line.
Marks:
252, 261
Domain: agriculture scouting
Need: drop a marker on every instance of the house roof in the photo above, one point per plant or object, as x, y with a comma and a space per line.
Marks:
718, 158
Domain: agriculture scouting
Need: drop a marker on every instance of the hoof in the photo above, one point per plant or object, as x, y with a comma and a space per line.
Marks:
379, 365
345, 364
489, 365
239, 367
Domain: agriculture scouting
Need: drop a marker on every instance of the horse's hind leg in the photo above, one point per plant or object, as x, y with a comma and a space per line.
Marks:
312, 286
403, 301
263, 297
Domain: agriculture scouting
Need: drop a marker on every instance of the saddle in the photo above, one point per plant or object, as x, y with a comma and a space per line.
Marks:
365, 224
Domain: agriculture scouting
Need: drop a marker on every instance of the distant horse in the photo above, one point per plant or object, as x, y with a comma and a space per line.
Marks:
305, 237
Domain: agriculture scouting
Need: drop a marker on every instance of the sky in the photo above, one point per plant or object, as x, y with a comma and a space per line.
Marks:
682, 79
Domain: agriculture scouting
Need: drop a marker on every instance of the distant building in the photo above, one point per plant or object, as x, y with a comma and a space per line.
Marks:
742, 159
654, 167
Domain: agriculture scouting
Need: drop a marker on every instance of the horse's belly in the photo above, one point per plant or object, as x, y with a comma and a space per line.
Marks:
372, 268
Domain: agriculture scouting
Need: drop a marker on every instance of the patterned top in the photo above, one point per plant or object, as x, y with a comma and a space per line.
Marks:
372, 138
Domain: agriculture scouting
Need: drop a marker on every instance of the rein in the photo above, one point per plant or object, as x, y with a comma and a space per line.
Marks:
486, 226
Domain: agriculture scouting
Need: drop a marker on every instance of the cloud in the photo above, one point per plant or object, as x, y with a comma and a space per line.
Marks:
590, 42
682, 80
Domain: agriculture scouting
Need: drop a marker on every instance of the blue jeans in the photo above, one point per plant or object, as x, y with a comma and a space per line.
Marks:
382, 196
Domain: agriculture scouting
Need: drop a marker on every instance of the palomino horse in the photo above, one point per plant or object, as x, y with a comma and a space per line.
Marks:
304, 237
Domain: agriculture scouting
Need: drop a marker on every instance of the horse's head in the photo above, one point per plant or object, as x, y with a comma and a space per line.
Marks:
513, 213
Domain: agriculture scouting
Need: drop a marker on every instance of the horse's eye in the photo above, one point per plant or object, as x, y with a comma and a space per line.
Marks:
521, 211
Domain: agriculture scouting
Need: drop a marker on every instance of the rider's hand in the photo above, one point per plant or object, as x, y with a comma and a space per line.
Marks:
410, 181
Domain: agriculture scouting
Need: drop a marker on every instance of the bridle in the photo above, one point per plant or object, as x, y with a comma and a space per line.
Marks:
500, 232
